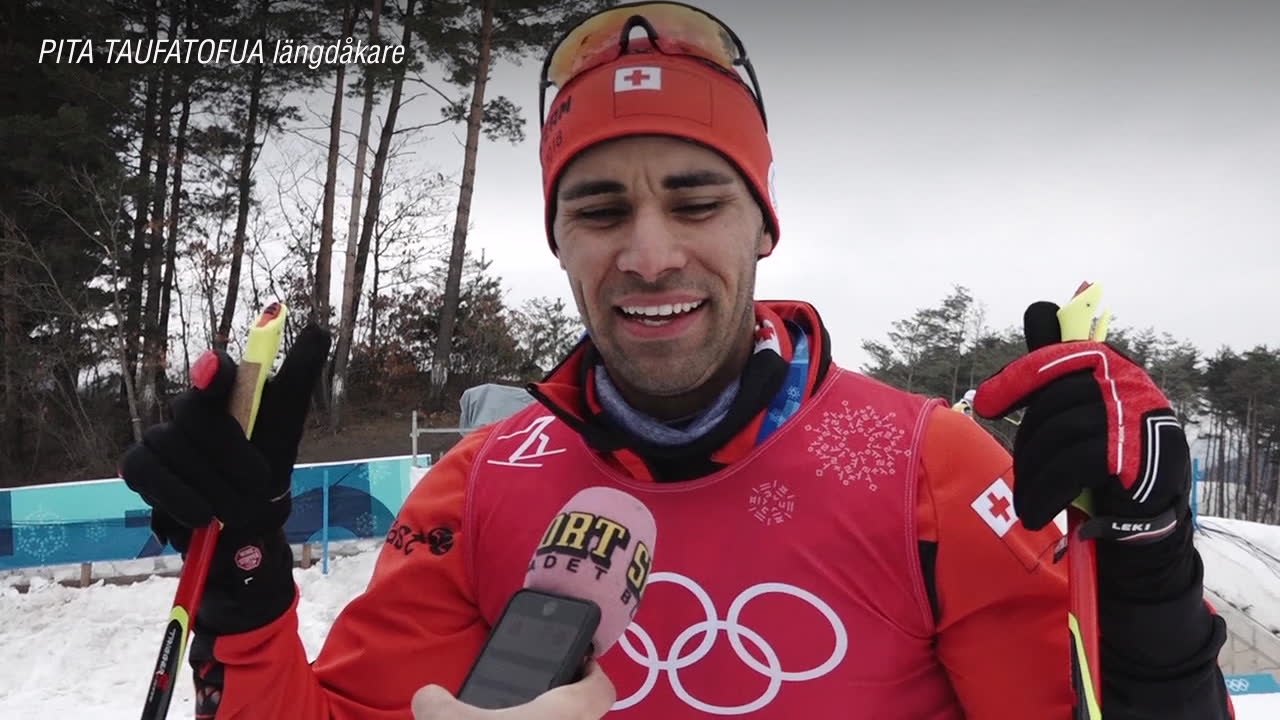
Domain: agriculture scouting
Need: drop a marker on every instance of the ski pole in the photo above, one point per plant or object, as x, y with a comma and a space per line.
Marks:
251, 375
1078, 320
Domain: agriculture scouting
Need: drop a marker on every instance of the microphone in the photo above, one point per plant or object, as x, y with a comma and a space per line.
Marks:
583, 587
598, 548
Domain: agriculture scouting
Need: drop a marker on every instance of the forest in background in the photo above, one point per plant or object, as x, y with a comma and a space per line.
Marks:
140, 224
1228, 400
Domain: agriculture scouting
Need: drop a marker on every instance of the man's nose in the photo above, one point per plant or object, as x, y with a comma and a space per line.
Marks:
653, 246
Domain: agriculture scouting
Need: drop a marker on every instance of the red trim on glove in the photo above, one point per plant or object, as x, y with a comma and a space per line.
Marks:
1127, 391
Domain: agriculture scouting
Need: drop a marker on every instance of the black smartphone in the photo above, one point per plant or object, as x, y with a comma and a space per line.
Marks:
541, 641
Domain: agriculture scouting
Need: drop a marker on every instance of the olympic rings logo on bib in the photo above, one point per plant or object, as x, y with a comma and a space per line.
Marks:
709, 630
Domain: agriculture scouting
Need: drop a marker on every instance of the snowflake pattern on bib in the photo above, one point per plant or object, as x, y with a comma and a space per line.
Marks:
772, 503
857, 445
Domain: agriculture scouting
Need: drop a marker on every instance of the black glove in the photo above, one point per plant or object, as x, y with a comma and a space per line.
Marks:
1094, 420
200, 466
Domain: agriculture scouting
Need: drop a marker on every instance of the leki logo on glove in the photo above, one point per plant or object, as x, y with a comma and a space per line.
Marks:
1131, 526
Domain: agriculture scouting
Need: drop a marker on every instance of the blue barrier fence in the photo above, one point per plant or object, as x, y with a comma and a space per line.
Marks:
103, 520
1259, 684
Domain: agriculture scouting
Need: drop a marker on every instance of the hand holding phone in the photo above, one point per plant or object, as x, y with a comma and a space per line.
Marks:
583, 587
541, 641
587, 699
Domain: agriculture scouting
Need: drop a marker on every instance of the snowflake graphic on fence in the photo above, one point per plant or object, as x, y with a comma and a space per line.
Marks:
96, 532
41, 534
365, 525
860, 444
772, 503
308, 505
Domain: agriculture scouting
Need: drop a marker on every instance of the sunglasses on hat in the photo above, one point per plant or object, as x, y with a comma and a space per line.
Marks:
672, 28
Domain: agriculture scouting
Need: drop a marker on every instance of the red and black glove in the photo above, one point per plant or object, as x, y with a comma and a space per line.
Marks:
199, 466
1094, 420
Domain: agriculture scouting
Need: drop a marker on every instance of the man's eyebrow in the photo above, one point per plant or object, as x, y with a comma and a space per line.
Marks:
678, 181
587, 188
695, 179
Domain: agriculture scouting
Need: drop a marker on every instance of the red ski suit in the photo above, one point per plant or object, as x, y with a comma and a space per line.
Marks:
864, 558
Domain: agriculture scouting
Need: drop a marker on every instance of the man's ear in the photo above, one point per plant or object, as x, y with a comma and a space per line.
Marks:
558, 252
764, 243
555, 243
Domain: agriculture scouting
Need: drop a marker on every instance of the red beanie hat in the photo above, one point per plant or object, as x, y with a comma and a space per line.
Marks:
652, 93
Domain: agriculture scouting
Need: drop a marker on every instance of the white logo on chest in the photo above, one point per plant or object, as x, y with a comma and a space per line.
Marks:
709, 630
534, 446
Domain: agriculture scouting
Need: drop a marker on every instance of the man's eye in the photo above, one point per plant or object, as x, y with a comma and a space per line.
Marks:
601, 213
698, 208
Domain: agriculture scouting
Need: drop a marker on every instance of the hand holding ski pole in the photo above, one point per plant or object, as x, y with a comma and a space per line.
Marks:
1089, 443
217, 476
1078, 320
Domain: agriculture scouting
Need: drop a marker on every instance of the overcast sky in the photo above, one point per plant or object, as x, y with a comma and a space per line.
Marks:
1013, 147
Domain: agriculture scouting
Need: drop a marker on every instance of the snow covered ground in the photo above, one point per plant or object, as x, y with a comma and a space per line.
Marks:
1257, 707
1242, 564
87, 652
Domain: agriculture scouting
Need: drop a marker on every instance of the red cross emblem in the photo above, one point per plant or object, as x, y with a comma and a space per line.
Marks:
636, 77
999, 506
995, 506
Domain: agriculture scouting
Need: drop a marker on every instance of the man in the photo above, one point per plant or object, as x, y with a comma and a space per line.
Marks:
831, 545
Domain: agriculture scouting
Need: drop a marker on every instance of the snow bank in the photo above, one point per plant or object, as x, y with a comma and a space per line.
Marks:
89, 651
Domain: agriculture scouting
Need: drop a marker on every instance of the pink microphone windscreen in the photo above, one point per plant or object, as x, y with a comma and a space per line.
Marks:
599, 548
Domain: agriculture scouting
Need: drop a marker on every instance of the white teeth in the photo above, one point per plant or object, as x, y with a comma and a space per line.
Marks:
661, 310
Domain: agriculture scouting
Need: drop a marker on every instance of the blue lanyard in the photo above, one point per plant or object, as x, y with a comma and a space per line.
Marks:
787, 401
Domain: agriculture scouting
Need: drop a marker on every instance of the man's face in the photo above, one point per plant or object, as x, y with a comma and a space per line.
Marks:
659, 238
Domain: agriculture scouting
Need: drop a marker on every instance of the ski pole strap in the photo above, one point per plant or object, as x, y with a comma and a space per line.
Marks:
1138, 531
